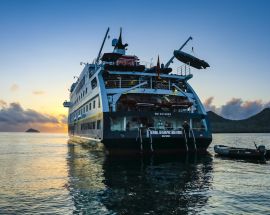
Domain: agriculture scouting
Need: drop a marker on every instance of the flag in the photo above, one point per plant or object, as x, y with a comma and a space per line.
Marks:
158, 68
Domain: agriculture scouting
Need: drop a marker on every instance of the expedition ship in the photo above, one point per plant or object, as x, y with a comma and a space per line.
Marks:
131, 107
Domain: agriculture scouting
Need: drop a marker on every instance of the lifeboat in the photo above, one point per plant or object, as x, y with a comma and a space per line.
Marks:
190, 60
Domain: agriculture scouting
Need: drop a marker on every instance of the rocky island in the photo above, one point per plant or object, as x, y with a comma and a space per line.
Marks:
31, 130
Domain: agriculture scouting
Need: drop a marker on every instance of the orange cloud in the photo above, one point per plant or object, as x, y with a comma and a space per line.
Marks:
3, 103
38, 92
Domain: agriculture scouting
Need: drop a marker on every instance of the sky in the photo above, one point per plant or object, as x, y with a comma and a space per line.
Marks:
43, 42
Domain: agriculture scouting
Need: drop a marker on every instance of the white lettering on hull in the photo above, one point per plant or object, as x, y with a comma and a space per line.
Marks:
163, 114
164, 132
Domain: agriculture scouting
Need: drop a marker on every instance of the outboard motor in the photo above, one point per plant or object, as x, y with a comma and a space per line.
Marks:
262, 150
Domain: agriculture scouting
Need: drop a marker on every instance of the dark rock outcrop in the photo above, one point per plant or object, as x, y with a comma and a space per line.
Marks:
259, 123
31, 130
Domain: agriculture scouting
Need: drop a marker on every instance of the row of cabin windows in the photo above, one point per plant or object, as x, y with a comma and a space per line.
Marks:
81, 95
86, 108
91, 125
84, 92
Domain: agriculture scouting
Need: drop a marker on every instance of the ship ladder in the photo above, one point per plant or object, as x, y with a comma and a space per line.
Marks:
185, 139
194, 140
151, 139
140, 138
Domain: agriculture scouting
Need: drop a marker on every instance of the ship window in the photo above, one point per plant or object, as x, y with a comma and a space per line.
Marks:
98, 124
98, 102
117, 124
94, 83
91, 71
86, 90
94, 104
84, 126
90, 106
91, 125
199, 124
87, 108
80, 85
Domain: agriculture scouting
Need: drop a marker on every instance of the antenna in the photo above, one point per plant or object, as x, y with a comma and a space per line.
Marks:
171, 60
99, 53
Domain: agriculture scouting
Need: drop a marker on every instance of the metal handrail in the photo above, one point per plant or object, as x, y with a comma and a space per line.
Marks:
117, 83
199, 129
185, 139
170, 128
151, 140
194, 140
120, 83
140, 136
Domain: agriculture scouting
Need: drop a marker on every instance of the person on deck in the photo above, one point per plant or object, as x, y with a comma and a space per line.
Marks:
186, 128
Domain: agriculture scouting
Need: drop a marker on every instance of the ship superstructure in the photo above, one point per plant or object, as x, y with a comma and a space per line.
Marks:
134, 108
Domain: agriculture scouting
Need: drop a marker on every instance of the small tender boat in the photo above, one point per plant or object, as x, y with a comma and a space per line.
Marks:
242, 153
190, 60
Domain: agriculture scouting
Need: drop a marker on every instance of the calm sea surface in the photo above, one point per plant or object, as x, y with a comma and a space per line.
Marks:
43, 174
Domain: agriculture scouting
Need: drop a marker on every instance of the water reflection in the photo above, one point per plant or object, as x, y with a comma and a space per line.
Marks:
106, 185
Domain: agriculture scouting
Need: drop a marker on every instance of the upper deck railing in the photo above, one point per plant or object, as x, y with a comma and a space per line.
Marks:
152, 83
184, 70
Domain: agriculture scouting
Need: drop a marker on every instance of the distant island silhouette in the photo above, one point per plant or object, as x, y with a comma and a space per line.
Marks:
259, 123
31, 130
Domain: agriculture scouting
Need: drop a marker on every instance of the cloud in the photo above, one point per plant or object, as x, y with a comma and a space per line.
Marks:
2, 103
14, 88
236, 108
63, 118
14, 118
38, 92
209, 106
14, 113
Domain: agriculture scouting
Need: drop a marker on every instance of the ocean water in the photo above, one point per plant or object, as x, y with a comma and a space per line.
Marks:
44, 174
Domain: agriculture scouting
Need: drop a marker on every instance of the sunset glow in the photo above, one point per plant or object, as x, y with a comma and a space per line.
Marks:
43, 42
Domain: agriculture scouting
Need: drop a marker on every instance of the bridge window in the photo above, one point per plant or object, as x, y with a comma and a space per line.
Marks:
94, 83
